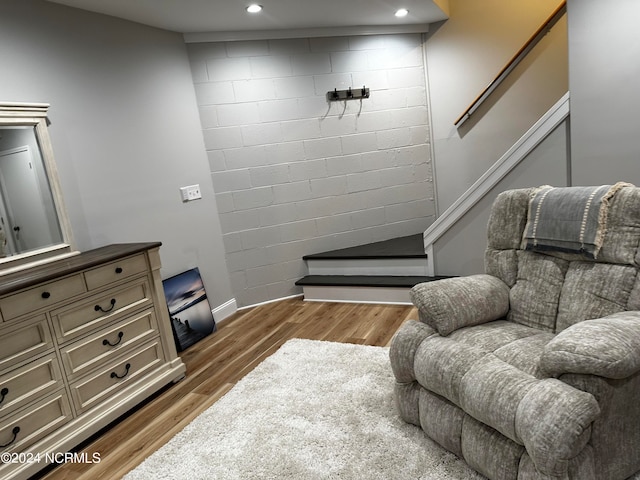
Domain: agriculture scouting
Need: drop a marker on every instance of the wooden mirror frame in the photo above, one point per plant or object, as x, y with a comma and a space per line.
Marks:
34, 115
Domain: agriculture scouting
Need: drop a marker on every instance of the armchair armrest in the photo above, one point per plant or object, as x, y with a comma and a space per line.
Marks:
608, 347
449, 304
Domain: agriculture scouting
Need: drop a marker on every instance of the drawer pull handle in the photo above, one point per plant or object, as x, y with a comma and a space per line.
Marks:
119, 270
14, 432
45, 295
106, 342
3, 393
98, 308
126, 372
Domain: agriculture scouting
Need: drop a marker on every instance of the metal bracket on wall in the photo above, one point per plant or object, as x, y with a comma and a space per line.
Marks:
349, 94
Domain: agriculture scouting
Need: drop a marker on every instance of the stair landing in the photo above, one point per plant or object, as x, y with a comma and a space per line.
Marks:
380, 272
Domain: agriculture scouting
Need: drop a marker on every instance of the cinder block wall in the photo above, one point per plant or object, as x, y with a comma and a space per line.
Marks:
295, 174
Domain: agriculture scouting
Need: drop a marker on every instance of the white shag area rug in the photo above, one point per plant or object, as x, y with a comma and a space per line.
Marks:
312, 410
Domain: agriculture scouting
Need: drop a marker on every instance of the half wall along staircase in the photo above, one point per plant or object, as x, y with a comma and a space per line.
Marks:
380, 272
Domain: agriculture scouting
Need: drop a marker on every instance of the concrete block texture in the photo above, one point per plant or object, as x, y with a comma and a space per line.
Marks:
214, 93
296, 174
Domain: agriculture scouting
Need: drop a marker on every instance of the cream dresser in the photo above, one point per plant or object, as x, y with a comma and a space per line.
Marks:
82, 341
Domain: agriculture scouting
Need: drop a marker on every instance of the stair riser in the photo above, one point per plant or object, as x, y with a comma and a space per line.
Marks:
392, 266
396, 296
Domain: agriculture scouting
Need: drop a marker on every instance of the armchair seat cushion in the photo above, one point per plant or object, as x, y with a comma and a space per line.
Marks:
440, 363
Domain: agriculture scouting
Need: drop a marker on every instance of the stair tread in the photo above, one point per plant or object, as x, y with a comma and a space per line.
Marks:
399, 281
411, 246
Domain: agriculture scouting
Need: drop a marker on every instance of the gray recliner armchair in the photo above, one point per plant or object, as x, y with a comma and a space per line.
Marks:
531, 370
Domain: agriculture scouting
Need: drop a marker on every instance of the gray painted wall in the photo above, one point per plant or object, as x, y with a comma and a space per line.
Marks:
463, 55
295, 174
127, 134
602, 45
604, 48
125, 130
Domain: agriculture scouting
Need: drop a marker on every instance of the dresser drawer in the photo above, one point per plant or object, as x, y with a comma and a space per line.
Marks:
88, 353
29, 425
112, 272
19, 343
43, 296
116, 376
97, 310
22, 385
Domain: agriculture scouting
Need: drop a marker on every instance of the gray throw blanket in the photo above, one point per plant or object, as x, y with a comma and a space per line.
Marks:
568, 219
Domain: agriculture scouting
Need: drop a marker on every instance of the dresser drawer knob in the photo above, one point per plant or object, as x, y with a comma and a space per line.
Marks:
106, 342
119, 270
126, 372
98, 308
14, 432
45, 295
3, 394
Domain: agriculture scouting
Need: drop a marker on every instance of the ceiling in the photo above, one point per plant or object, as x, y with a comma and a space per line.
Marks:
196, 16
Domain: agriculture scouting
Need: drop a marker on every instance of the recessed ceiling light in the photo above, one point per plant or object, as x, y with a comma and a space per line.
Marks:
402, 12
254, 8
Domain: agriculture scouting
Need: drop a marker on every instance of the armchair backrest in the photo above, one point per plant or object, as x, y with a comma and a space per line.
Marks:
552, 290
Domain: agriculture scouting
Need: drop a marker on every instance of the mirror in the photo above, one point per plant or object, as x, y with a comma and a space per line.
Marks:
33, 223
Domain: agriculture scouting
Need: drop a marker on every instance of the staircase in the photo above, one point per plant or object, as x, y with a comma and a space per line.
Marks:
380, 272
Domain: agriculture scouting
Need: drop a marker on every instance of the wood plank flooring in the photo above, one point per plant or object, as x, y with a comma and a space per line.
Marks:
216, 363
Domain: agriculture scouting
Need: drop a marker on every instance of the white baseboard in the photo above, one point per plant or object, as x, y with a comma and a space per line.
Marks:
225, 310
270, 301
392, 296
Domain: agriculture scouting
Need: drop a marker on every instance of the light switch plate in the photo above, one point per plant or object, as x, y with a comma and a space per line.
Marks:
190, 192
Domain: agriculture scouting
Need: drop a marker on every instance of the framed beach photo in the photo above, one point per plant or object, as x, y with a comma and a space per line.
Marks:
189, 309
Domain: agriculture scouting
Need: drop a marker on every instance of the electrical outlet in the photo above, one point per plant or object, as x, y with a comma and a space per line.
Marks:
191, 192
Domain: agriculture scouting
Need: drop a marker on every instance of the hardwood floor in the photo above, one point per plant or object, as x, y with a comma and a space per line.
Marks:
216, 363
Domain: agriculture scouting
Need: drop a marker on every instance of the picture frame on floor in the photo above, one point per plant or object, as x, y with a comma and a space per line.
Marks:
189, 308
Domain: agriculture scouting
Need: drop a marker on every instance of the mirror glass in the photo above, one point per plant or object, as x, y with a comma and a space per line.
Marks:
28, 218
33, 224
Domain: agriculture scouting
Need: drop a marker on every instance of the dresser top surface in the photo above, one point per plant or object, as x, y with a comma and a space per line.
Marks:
28, 277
